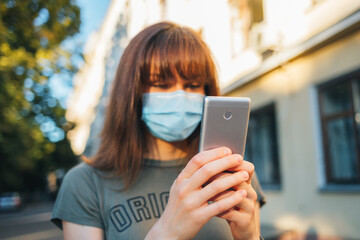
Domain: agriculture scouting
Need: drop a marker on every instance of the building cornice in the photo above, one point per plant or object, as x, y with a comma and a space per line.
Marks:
337, 31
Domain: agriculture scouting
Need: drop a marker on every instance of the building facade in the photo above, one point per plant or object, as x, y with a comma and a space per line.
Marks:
298, 61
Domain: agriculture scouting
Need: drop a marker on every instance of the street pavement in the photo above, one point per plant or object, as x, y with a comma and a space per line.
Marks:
29, 223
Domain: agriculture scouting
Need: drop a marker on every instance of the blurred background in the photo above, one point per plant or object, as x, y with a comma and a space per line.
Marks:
298, 60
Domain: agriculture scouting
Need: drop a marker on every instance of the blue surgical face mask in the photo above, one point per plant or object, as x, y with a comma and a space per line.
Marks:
172, 116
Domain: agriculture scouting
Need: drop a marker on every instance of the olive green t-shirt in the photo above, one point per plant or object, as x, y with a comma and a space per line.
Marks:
93, 198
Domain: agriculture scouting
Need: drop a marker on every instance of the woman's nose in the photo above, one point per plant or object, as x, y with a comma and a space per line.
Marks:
179, 86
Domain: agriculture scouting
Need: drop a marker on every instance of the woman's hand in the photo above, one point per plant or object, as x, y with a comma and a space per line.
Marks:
187, 210
242, 218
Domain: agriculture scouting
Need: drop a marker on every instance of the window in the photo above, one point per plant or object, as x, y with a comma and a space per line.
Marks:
257, 13
340, 120
262, 146
243, 15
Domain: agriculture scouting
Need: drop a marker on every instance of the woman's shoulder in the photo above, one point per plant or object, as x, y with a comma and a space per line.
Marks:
80, 169
82, 172
85, 174
77, 200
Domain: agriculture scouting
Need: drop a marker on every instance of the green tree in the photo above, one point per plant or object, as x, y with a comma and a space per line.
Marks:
32, 122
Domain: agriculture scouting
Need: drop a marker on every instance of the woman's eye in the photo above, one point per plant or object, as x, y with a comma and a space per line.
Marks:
159, 85
193, 86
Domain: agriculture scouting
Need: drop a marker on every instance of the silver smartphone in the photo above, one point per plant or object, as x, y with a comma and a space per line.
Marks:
225, 123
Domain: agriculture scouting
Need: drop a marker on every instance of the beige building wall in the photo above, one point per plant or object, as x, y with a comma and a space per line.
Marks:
89, 81
300, 204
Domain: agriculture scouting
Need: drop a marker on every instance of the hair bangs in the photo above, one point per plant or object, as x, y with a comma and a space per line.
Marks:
178, 53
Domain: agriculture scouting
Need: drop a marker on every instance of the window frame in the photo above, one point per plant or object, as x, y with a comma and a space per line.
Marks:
324, 119
277, 185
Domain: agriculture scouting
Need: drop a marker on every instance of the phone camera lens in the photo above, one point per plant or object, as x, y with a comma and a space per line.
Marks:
227, 115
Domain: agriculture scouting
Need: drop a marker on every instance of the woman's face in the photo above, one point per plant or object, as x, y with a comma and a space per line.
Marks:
175, 85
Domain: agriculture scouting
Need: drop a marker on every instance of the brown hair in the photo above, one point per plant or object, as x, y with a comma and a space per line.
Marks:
165, 49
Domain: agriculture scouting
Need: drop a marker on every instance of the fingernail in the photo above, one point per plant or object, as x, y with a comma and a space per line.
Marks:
227, 151
245, 175
243, 193
239, 158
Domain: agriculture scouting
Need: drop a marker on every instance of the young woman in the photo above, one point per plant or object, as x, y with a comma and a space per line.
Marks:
147, 179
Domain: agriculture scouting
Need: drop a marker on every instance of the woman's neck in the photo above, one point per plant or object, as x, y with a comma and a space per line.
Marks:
166, 151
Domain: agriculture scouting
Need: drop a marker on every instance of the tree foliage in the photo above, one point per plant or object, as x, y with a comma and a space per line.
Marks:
32, 122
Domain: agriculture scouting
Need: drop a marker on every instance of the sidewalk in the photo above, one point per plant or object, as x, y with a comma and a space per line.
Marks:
30, 222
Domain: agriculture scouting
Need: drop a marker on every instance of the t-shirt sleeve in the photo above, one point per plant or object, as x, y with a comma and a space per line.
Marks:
77, 200
257, 187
